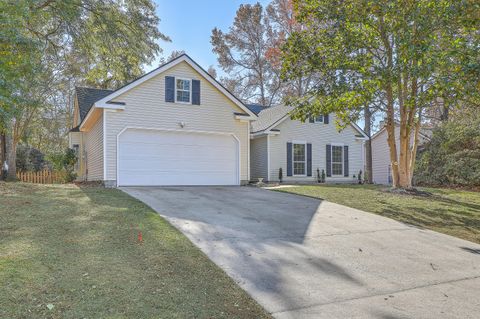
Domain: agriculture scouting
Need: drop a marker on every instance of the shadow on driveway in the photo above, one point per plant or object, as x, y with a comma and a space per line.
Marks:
302, 257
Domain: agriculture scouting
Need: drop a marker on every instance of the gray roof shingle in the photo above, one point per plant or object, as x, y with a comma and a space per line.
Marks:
269, 116
256, 108
86, 97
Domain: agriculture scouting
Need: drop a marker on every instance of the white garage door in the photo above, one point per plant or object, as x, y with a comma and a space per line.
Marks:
149, 157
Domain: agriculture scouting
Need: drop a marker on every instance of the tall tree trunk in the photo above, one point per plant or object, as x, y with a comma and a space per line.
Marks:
445, 110
414, 148
390, 105
3, 150
11, 153
404, 136
368, 145
392, 146
408, 114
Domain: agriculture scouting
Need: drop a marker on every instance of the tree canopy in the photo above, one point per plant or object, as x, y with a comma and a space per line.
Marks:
250, 53
50, 46
397, 54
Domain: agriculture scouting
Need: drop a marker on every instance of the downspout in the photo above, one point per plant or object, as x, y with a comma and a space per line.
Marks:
248, 151
268, 157
104, 145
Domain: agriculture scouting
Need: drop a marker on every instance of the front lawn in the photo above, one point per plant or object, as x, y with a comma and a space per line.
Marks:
70, 252
453, 212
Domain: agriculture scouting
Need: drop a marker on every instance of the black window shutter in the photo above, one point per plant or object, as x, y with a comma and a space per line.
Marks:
329, 160
289, 159
196, 92
309, 159
345, 161
169, 89
311, 119
325, 119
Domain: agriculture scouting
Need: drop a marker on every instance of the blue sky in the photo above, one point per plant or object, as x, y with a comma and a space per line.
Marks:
189, 24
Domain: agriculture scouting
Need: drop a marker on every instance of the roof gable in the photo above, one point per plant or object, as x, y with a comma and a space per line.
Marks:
425, 132
271, 117
105, 102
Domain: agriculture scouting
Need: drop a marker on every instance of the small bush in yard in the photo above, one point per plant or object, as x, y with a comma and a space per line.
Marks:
29, 159
65, 162
69, 161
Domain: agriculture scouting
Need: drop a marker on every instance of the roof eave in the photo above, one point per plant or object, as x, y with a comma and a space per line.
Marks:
244, 117
110, 105
355, 126
265, 132
96, 106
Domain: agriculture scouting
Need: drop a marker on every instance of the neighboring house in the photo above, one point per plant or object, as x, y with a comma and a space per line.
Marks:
176, 125
303, 149
382, 170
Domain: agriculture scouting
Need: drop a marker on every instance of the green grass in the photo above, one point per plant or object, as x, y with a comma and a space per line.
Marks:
78, 250
449, 211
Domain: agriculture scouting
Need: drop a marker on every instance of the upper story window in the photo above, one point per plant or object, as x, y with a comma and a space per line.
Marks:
183, 90
319, 119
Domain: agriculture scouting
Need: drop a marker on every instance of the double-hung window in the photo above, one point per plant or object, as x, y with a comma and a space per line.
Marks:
183, 90
299, 159
319, 119
337, 160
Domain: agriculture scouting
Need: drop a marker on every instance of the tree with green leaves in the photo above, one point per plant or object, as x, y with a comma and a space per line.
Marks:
20, 67
394, 53
46, 44
452, 156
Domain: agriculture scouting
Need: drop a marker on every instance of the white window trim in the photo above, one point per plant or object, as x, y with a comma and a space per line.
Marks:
293, 158
315, 119
176, 89
343, 159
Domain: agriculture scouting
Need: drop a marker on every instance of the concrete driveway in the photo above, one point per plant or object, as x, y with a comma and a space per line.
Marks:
304, 258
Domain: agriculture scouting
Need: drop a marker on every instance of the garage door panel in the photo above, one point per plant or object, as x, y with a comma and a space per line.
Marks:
200, 158
178, 165
177, 158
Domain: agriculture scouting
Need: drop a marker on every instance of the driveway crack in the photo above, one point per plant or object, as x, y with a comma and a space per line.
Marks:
347, 233
379, 294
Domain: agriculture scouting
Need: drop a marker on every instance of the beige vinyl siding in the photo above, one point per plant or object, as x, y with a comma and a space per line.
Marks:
94, 151
319, 135
74, 138
146, 108
78, 138
381, 157
259, 158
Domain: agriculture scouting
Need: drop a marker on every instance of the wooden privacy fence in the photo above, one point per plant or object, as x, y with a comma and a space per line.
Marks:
42, 177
